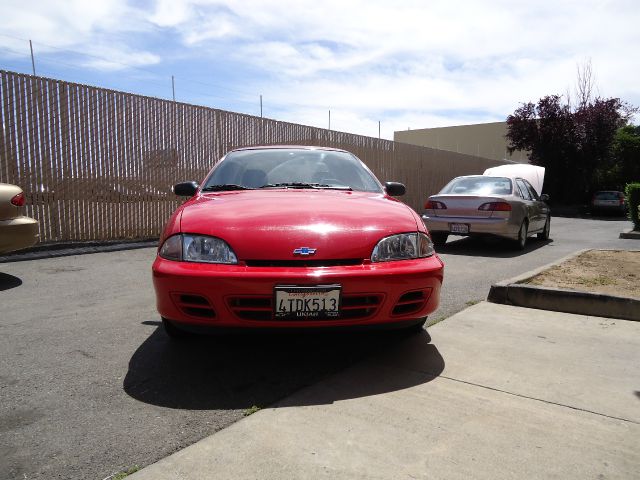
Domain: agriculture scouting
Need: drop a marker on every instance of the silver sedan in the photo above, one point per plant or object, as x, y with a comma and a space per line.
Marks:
477, 205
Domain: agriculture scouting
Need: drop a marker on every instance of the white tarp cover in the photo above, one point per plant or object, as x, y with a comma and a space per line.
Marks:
533, 173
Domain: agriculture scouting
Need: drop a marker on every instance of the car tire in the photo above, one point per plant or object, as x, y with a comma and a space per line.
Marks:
521, 243
416, 327
439, 238
544, 235
172, 331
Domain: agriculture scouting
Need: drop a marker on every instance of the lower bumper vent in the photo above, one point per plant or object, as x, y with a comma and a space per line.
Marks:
194, 305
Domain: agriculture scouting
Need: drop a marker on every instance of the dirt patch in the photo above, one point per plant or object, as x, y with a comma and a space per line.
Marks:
612, 272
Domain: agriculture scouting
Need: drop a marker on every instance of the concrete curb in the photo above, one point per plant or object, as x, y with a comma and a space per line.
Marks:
513, 292
634, 234
74, 248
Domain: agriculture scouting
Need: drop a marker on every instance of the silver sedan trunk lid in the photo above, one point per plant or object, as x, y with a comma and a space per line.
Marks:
464, 206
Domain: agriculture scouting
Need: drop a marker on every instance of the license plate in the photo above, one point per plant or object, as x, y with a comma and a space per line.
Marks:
306, 302
459, 228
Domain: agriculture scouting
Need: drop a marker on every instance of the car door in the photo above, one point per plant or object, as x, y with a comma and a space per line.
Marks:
540, 208
533, 210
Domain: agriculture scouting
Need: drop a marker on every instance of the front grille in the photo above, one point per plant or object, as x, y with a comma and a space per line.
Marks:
257, 307
194, 305
410, 302
260, 307
357, 306
304, 263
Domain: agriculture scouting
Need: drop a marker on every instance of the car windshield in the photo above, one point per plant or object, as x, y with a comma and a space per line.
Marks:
291, 168
480, 185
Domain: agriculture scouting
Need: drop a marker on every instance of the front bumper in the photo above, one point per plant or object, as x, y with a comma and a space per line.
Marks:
238, 296
500, 227
18, 233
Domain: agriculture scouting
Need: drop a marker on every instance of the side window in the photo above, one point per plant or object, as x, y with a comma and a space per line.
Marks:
532, 191
524, 192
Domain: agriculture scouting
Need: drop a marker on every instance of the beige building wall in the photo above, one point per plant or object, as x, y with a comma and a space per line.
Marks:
486, 140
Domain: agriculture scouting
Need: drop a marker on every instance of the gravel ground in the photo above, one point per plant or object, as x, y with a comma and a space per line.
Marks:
612, 272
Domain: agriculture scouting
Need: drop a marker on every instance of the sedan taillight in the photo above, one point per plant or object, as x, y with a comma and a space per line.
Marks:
495, 207
434, 205
18, 200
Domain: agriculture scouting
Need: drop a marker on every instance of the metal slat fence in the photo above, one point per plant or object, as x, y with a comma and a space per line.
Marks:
98, 164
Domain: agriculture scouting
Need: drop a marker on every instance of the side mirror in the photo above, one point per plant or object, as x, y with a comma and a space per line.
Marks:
544, 197
185, 189
395, 189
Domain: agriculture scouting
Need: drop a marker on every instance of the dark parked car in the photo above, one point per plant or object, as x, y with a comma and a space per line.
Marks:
609, 201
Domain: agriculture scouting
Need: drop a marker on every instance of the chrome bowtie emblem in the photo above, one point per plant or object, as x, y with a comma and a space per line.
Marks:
304, 251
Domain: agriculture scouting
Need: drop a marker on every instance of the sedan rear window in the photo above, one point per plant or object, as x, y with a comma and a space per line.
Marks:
607, 195
478, 186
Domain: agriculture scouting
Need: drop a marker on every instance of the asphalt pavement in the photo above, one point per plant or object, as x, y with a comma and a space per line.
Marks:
90, 384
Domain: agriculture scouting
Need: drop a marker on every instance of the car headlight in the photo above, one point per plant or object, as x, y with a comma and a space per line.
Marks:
197, 248
404, 246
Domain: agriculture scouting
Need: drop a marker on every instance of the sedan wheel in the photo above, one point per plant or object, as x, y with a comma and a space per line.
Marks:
439, 238
522, 236
172, 331
544, 235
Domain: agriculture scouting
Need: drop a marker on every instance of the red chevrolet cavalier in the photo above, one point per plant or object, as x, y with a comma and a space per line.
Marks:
301, 237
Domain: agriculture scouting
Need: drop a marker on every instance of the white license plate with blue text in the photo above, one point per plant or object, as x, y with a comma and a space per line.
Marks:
459, 228
306, 302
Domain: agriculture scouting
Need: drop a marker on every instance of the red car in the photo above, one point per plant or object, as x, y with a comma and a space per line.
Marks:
301, 237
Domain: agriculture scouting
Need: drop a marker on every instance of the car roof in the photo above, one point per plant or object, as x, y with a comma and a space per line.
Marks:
289, 147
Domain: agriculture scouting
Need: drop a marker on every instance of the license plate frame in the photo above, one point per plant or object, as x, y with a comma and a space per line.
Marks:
307, 302
459, 228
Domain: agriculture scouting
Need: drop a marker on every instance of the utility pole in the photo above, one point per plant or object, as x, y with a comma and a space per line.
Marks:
260, 106
173, 87
329, 119
33, 62
378, 129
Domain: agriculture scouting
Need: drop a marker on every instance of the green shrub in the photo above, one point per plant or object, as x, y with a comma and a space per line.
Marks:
632, 192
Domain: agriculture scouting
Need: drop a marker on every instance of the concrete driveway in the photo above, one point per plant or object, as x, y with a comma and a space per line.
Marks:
500, 392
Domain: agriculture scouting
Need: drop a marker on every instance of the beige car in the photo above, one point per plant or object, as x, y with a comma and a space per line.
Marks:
16, 231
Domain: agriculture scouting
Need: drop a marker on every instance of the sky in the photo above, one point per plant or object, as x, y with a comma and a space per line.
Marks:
375, 65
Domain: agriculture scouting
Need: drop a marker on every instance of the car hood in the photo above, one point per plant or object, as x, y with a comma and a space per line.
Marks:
271, 224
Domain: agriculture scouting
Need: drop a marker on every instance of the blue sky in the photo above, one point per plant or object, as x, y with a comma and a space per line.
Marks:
408, 64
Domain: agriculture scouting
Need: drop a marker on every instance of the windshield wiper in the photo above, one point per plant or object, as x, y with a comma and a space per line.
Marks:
335, 187
225, 186
291, 185
305, 185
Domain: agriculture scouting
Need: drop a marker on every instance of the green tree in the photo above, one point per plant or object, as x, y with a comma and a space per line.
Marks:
625, 165
571, 143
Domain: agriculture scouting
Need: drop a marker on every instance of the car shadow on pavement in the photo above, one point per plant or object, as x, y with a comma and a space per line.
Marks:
489, 247
242, 371
7, 282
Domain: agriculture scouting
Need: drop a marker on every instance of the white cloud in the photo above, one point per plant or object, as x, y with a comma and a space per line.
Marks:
412, 63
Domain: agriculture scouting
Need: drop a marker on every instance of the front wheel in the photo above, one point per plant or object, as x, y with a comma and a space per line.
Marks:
172, 331
439, 238
522, 235
416, 327
544, 235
